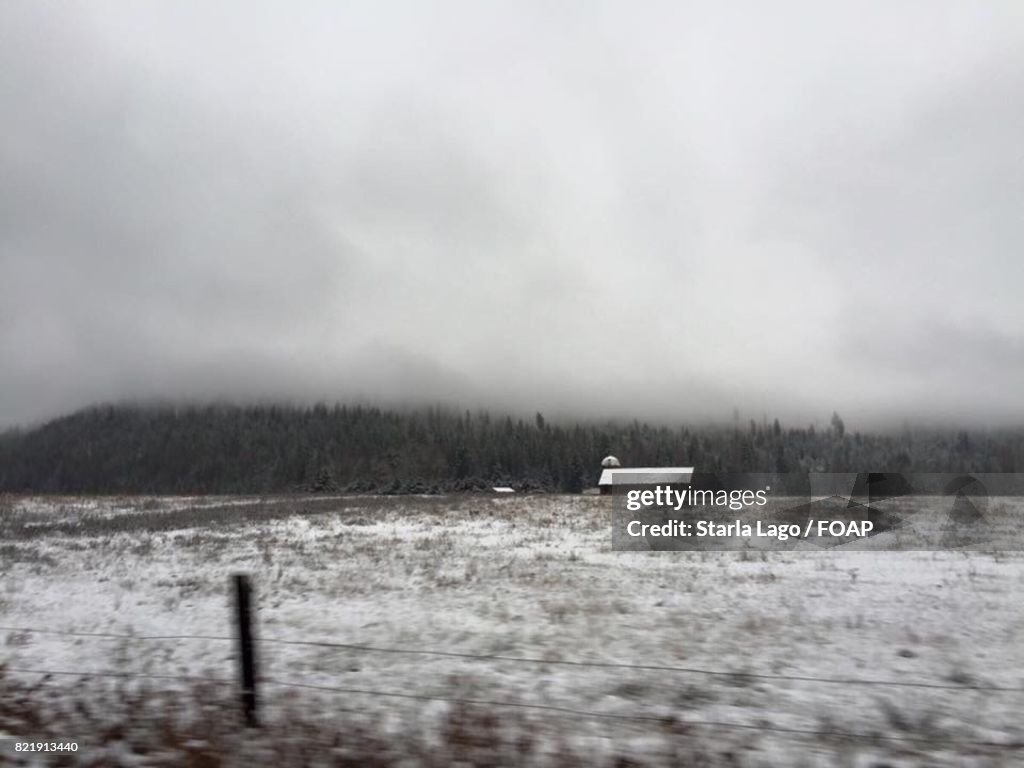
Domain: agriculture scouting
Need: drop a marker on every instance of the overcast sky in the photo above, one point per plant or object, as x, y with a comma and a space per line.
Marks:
653, 209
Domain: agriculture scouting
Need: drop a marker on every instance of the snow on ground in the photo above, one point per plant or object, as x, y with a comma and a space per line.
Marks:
532, 577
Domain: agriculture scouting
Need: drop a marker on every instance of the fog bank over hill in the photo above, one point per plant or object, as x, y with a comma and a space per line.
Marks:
661, 212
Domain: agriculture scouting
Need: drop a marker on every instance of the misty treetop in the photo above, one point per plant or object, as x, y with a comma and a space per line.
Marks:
277, 448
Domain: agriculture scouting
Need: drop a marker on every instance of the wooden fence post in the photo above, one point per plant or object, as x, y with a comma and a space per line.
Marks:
246, 648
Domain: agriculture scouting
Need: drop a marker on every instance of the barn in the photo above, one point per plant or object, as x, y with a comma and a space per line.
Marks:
620, 479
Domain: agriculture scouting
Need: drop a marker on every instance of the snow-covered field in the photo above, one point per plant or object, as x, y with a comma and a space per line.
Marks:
516, 577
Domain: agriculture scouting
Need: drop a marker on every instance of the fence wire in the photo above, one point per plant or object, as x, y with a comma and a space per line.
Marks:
548, 709
731, 674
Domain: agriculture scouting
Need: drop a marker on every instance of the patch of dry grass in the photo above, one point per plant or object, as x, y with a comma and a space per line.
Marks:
199, 726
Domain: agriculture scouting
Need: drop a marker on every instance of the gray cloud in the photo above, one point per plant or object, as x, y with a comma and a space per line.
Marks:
662, 211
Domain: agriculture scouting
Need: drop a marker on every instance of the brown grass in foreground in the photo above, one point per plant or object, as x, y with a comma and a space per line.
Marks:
199, 726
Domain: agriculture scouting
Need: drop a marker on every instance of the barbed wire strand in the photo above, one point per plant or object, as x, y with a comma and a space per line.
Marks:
555, 662
550, 708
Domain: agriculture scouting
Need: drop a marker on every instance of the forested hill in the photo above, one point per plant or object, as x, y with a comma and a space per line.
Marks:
264, 449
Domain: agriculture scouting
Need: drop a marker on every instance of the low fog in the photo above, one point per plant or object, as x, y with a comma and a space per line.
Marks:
667, 210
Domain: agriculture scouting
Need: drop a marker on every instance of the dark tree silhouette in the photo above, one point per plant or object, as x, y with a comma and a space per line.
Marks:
278, 448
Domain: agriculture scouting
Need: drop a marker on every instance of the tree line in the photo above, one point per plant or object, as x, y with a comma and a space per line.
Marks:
204, 449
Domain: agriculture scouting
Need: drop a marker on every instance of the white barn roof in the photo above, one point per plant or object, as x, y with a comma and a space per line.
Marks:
646, 476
